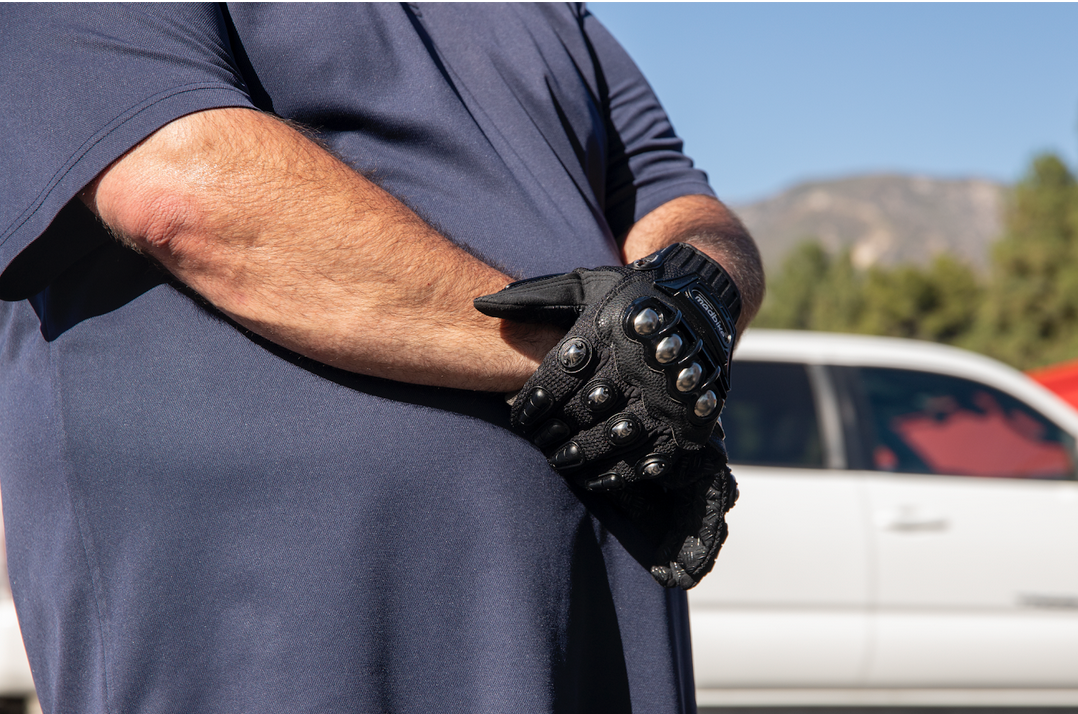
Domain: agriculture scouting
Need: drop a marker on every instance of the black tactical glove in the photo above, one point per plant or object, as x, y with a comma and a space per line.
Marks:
628, 401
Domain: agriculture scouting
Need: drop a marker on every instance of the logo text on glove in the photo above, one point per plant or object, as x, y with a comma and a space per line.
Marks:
712, 312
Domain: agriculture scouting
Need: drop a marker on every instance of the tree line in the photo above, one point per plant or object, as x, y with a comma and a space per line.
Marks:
1023, 311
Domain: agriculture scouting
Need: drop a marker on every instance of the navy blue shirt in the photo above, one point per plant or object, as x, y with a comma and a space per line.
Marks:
199, 520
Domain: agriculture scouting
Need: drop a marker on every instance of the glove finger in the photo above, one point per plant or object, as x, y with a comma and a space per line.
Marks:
549, 298
612, 477
690, 551
626, 448
700, 464
577, 407
566, 370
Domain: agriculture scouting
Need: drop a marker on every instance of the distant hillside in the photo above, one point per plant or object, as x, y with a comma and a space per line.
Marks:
885, 219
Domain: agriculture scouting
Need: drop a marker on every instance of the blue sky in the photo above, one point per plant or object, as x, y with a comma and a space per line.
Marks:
768, 95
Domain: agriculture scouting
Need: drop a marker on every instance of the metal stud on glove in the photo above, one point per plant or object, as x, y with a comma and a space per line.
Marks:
628, 402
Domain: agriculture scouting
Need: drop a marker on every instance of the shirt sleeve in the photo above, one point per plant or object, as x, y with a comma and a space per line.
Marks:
645, 164
82, 84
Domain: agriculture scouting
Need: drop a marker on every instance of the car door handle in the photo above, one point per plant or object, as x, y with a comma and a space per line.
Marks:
1055, 602
910, 520
910, 525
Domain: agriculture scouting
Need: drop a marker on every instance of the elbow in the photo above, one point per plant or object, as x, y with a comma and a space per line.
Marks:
155, 197
163, 225
154, 216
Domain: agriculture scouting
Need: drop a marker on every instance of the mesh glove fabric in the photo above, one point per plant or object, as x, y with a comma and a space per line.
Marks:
628, 402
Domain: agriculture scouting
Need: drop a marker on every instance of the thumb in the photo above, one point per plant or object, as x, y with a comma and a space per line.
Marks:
550, 298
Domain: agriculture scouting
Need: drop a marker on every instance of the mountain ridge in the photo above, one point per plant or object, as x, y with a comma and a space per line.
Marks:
884, 219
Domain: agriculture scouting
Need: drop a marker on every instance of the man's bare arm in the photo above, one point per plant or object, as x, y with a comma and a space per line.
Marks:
299, 248
302, 250
707, 224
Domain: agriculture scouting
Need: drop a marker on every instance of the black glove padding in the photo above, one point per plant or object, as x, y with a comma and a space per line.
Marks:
628, 400
683, 527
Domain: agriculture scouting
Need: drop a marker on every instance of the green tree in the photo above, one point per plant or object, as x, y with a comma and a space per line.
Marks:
793, 293
939, 303
1030, 314
840, 301
817, 291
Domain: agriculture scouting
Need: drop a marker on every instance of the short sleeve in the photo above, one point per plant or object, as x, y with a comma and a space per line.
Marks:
82, 84
645, 164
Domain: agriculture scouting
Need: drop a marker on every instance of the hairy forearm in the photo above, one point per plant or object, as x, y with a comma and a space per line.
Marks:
707, 224
299, 248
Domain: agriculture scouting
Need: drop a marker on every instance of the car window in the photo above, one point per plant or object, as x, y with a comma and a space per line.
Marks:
770, 416
938, 424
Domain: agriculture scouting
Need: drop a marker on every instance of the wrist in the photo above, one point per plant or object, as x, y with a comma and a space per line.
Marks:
529, 343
